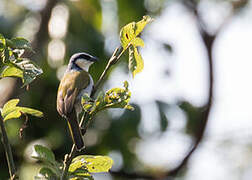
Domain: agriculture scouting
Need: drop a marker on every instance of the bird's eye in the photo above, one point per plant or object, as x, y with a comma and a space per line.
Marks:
84, 56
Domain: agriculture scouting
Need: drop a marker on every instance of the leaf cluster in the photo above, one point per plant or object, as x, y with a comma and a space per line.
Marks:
129, 39
12, 64
113, 98
12, 111
80, 168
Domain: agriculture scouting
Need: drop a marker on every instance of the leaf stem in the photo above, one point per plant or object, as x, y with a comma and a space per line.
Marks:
112, 61
8, 152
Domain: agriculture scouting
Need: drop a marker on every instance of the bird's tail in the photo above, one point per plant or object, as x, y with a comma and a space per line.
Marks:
75, 131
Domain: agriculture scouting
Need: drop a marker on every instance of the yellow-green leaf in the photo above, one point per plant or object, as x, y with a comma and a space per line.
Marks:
129, 32
12, 111
94, 164
9, 106
12, 115
2, 42
12, 71
31, 111
132, 61
113, 98
141, 24
137, 42
139, 62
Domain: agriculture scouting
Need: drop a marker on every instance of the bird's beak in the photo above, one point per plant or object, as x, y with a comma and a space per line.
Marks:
94, 59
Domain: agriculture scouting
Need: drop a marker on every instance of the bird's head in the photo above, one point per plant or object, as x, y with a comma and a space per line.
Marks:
81, 61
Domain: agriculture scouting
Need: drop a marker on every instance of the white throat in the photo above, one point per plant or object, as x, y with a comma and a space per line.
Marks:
83, 64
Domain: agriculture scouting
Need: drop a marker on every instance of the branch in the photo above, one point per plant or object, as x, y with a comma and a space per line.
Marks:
85, 118
8, 152
208, 41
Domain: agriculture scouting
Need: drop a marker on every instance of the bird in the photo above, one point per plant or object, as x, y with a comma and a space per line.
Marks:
75, 82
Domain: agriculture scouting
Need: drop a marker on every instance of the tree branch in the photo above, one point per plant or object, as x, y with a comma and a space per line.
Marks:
8, 152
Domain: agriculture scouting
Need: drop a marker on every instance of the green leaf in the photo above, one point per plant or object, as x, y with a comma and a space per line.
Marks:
5, 55
129, 39
2, 42
136, 63
140, 25
47, 173
29, 68
132, 60
113, 98
44, 154
11, 71
12, 111
137, 42
19, 43
94, 164
30, 111
82, 178
130, 31
9, 110
127, 33
139, 62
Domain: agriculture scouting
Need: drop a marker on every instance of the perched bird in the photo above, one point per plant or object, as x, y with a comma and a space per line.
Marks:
75, 82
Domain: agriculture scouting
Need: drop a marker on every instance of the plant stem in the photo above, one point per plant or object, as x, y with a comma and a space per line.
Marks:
112, 61
8, 152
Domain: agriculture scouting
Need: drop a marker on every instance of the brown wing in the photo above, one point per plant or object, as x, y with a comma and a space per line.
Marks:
70, 86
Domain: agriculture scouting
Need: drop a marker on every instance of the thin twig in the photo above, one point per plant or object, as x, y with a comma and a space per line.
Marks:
8, 152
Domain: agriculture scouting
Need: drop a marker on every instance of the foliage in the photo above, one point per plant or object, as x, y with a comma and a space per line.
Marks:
12, 62
113, 98
82, 166
12, 65
12, 111
129, 39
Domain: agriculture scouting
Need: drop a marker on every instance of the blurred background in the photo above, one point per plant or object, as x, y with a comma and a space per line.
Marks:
192, 117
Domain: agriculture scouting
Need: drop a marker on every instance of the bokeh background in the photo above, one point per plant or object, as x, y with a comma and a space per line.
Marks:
194, 94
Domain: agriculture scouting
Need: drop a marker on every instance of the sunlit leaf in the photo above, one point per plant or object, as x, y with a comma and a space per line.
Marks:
2, 42
30, 111
137, 42
82, 178
94, 164
129, 39
29, 70
12, 71
44, 154
5, 55
139, 62
9, 108
140, 25
113, 98
136, 63
132, 60
129, 32
12, 111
